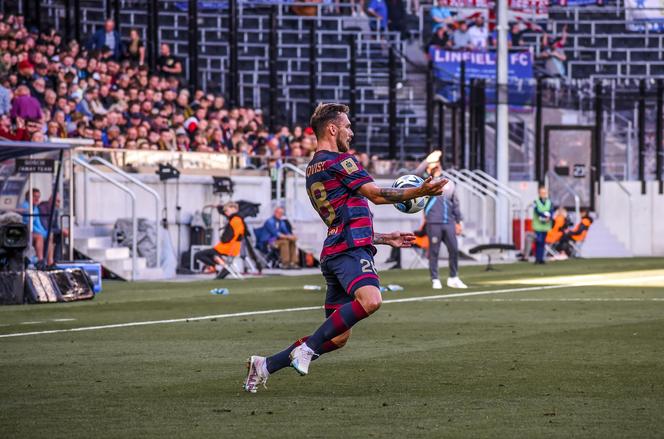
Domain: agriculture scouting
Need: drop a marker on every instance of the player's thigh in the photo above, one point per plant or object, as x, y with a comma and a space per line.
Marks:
335, 293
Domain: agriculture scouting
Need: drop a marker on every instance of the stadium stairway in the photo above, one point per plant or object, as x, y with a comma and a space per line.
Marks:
94, 242
601, 243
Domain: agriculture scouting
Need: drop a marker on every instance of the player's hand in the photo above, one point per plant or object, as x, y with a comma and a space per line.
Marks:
458, 228
399, 239
433, 187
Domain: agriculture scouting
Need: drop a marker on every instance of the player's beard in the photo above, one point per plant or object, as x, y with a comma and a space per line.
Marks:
342, 145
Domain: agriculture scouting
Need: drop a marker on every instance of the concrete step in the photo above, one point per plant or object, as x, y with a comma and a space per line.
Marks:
104, 255
150, 274
601, 243
96, 242
122, 265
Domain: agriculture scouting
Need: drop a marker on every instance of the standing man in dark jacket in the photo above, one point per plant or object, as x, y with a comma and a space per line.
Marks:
443, 223
107, 37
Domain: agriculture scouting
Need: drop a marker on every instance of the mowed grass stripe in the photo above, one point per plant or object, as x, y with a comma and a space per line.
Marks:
313, 308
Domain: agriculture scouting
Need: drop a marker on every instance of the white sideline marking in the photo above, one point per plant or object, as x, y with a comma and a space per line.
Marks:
63, 320
571, 299
312, 308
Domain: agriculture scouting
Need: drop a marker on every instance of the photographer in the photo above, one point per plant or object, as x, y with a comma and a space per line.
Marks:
229, 243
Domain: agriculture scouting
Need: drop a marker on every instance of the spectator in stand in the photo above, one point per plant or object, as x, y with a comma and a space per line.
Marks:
517, 30
553, 55
378, 9
5, 99
396, 13
461, 37
441, 38
109, 38
167, 64
25, 106
135, 49
277, 233
441, 16
478, 33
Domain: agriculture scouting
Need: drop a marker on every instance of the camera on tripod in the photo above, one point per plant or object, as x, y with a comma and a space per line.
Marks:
14, 240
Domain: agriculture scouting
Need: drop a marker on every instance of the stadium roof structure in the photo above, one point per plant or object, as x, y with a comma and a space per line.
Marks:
11, 150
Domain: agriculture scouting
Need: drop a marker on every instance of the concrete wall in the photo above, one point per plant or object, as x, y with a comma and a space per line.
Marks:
105, 203
639, 226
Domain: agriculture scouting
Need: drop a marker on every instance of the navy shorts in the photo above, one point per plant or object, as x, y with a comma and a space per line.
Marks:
346, 272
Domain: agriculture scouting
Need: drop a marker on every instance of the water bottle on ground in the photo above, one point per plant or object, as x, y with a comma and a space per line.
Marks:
220, 291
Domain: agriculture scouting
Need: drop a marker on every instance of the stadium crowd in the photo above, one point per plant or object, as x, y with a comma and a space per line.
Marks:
104, 91
451, 31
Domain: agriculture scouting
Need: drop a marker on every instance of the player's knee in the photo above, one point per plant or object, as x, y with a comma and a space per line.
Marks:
372, 303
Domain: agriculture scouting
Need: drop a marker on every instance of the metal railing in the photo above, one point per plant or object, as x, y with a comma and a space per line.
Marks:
481, 196
483, 189
297, 172
123, 188
143, 186
509, 193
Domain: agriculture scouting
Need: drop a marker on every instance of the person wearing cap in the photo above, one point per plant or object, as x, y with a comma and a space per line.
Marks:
230, 241
182, 139
26, 72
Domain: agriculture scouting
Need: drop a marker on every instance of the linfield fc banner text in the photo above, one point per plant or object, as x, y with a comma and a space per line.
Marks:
482, 65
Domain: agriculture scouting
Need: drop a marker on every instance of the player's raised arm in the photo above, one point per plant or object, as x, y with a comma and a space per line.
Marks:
390, 195
394, 239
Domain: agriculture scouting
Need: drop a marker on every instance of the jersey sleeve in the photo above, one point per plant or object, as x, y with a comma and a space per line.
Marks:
350, 172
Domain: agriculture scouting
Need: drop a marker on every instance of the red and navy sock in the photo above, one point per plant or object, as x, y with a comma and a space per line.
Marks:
282, 359
339, 322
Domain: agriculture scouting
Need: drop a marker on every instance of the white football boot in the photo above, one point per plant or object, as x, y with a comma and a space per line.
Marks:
300, 358
257, 374
436, 285
455, 282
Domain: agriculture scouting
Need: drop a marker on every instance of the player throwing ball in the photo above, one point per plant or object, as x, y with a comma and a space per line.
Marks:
339, 189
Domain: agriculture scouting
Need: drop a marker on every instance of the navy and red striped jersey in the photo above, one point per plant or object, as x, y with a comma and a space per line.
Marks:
332, 182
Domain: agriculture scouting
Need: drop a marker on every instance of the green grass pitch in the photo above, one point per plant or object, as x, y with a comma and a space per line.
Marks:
567, 360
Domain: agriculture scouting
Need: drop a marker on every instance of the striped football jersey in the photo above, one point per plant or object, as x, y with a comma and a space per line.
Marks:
332, 182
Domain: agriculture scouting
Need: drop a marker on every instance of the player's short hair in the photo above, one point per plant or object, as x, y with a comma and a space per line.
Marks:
324, 114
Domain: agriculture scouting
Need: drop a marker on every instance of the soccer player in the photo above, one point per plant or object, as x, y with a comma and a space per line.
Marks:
339, 189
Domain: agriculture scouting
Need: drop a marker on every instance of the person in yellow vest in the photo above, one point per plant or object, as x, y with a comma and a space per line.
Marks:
230, 241
542, 219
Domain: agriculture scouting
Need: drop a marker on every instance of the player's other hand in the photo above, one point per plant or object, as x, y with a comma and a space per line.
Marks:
433, 187
399, 239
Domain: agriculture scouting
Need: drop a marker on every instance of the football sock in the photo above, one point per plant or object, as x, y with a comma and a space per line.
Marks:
339, 322
282, 359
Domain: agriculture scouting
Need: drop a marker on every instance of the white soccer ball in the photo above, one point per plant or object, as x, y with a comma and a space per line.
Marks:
414, 205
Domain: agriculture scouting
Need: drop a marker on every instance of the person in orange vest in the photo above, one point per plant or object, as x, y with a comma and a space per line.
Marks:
230, 241
577, 234
560, 224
